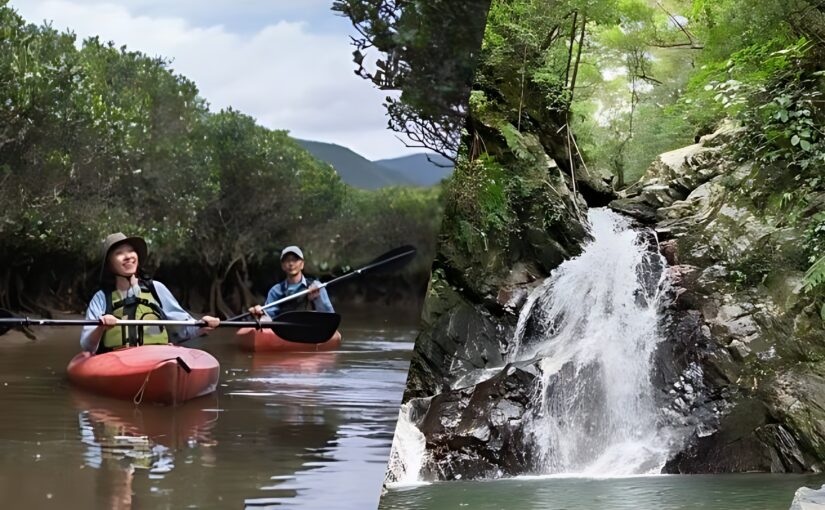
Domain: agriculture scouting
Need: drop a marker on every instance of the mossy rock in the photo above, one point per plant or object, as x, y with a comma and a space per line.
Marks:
797, 398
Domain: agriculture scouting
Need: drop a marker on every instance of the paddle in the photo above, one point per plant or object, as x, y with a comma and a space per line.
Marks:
300, 326
390, 261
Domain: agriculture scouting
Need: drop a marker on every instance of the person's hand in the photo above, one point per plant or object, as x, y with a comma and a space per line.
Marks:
211, 322
108, 321
314, 291
257, 311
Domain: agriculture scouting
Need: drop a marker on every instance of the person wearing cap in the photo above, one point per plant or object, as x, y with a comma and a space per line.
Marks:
292, 263
128, 293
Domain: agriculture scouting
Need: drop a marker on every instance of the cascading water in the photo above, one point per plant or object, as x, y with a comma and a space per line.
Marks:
592, 328
408, 451
594, 325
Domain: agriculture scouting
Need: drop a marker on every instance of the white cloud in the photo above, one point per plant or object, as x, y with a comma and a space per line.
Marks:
283, 74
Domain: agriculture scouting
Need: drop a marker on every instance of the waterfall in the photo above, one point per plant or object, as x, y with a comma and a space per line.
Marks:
593, 326
408, 451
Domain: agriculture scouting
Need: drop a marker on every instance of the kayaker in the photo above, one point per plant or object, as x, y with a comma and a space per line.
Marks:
292, 263
126, 292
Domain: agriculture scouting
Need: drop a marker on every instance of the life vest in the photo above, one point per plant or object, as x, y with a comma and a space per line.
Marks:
301, 303
144, 307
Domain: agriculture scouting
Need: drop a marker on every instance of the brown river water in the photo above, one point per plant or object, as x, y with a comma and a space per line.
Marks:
309, 430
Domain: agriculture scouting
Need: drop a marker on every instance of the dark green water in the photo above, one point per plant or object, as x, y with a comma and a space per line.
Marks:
695, 492
310, 430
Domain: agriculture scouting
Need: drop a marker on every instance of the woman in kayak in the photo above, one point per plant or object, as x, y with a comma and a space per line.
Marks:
292, 263
127, 293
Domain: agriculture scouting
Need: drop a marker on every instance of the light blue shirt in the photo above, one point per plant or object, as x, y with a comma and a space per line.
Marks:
90, 338
321, 303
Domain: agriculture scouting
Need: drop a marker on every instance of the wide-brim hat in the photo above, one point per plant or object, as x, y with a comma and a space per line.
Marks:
112, 241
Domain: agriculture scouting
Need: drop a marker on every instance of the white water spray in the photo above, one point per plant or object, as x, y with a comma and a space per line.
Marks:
408, 452
594, 325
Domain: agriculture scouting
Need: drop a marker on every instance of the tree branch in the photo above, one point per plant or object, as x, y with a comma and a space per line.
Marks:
691, 38
687, 46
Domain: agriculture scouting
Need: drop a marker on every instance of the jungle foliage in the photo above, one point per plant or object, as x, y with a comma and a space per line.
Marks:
96, 138
572, 93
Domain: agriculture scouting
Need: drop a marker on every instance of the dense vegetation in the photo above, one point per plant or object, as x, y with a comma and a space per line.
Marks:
426, 50
99, 139
604, 86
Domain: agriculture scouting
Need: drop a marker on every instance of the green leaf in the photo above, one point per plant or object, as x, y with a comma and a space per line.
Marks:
794, 140
815, 275
805, 144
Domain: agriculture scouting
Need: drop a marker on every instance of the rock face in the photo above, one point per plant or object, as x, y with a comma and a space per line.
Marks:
457, 336
472, 428
746, 441
739, 333
674, 176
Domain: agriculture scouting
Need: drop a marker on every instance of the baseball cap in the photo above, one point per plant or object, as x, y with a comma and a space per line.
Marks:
294, 250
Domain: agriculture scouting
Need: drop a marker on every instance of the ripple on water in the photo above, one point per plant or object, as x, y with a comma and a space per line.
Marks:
696, 492
287, 431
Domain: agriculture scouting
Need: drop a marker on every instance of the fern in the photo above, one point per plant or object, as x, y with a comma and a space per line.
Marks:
525, 146
815, 275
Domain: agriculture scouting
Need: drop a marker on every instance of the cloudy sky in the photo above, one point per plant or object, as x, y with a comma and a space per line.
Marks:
287, 63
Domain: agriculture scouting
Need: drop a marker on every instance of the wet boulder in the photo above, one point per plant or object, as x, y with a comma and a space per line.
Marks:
478, 431
746, 441
806, 498
635, 207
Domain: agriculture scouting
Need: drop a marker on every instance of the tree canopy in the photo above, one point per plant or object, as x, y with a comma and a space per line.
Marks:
427, 50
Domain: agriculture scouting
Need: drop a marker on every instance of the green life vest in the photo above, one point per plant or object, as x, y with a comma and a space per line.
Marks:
145, 307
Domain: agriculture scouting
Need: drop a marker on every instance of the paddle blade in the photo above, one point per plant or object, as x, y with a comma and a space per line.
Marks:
5, 326
392, 260
305, 327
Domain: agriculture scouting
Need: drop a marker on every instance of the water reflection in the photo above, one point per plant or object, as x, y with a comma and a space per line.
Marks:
122, 439
358, 398
302, 363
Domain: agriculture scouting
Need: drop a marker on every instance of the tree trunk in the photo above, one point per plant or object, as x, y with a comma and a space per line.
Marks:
570, 49
578, 60
5, 276
246, 297
216, 303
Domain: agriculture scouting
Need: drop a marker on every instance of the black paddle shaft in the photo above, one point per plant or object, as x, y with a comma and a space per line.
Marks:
298, 326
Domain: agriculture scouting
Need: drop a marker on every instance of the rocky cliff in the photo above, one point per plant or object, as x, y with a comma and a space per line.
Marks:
742, 363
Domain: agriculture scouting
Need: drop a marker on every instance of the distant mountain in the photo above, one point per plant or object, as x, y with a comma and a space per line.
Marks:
355, 169
419, 169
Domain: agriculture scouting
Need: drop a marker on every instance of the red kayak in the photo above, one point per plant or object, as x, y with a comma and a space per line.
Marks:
265, 340
164, 374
